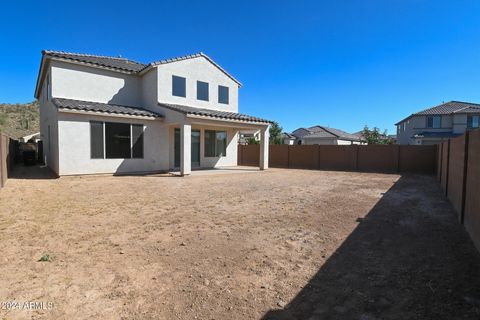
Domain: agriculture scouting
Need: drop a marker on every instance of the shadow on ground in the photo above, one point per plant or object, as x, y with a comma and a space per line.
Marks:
36, 172
409, 258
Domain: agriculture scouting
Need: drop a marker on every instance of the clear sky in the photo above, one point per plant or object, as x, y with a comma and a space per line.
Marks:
338, 63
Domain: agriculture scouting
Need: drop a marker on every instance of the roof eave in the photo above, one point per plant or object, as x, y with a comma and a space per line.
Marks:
108, 114
195, 116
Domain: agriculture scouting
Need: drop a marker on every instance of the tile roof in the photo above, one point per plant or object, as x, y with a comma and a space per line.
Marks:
213, 113
287, 135
126, 65
120, 64
71, 104
446, 109
325, 132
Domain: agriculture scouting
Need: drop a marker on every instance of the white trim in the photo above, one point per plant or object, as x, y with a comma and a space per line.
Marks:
107, 114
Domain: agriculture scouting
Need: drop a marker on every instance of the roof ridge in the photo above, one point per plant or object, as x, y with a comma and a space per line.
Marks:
178, 58
88, 55
465, 102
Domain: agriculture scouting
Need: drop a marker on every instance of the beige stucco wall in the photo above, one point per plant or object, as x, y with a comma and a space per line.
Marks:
74, 144
48, 118
193, 70
93, 84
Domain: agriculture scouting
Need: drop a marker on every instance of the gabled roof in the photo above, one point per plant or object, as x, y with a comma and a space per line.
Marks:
325, 132
448, 108
118, 64
192, 56
224, 115
70, 104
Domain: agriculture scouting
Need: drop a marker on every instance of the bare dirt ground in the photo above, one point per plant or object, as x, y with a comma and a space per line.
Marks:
280, 244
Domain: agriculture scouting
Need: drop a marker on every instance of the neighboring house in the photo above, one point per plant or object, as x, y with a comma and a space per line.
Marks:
434, 125
34, 136
325, 135
112, 115
288, 138
245, 136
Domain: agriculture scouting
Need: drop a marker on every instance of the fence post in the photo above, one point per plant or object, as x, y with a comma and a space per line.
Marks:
465, 170
398, 158
448, 168
318, 157
440, 169
288, 157
356, 157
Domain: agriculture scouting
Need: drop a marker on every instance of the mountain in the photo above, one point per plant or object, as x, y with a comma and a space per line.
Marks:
18, 120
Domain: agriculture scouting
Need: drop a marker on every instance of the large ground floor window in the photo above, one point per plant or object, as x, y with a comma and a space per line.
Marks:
215, 143
115, 140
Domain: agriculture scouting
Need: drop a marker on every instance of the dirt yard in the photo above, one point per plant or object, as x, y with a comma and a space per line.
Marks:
279, 244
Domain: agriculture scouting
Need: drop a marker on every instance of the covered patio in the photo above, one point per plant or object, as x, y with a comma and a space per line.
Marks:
203, 138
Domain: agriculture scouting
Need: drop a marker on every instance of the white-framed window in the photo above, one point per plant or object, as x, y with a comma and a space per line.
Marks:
473, 121
434, 122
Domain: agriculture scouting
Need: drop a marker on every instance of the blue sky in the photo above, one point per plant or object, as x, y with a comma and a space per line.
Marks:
339, 63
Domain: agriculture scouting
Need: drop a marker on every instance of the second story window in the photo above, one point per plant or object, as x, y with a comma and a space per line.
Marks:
434, 122
223, 94
202, 90
473, 121
179, 86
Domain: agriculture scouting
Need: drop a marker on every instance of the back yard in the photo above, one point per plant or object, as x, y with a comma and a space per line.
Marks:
279, 244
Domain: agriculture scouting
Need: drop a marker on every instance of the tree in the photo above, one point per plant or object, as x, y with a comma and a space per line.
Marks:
375, 137
276, 133
252, 140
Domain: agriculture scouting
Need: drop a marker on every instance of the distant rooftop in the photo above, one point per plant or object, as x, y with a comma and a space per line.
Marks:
447, 108
324, 132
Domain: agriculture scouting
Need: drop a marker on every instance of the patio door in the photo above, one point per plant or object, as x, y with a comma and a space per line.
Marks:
195, 148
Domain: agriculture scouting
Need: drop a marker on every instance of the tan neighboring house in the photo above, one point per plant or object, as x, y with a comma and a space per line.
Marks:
325, 136
102, 114
436, 124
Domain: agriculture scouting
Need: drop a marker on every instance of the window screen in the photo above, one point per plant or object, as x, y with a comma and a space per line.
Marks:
96, 140
179, 86
117, 140
222, 94
137, 141
202, 90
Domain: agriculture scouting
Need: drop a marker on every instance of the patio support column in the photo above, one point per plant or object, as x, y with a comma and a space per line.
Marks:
264, 142
185, 149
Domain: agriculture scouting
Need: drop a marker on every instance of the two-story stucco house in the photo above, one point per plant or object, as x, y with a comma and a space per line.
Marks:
433, 125
112, 115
